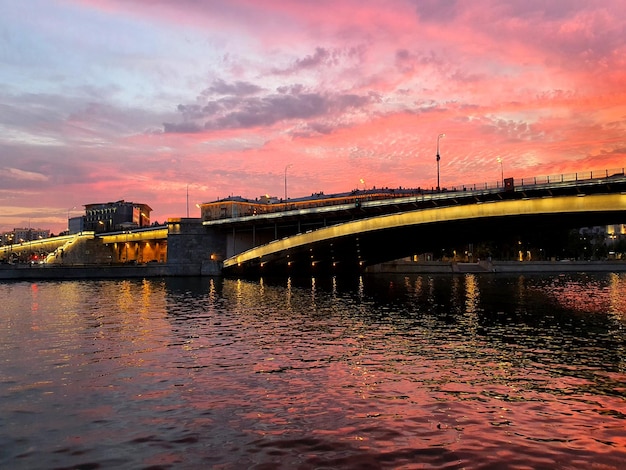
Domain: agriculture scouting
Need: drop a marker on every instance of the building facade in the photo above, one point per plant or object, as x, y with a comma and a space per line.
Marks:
116, 216
237, 206
76, 225
21, 235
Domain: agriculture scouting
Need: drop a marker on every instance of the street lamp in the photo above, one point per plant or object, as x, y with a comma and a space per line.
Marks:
286, 168
438, 158
501, 171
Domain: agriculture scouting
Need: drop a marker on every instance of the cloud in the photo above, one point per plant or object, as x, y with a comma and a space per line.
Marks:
321, 58
239, 88
16, 177
24, 175
438, 10
242, 111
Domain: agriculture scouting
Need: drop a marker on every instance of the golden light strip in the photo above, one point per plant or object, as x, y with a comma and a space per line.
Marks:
135, 236
553, 205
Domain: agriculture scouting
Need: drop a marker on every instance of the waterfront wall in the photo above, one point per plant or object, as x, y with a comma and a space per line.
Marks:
66, 272
559, 266
213, 268
410, 267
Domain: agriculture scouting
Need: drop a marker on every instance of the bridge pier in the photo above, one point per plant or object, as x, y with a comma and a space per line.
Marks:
194, 250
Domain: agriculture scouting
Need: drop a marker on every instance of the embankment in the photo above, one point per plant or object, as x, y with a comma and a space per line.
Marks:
409, 267
63, 272
60, 272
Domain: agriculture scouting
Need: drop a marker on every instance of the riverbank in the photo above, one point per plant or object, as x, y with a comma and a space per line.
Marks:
409, 267
60, 272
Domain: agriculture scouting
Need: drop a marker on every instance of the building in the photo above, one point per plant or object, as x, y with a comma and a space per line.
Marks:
237, 206
21, 235
116, 216
616, 232
76, 225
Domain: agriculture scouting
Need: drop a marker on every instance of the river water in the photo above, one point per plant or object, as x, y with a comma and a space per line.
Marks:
468, 371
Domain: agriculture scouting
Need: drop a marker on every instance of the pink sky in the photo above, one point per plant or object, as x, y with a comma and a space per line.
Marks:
141, 100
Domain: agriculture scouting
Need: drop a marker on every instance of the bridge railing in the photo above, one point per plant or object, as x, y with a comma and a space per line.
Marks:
573, 177
541, 180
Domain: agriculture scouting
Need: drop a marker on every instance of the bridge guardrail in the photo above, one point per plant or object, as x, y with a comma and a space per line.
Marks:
577, 177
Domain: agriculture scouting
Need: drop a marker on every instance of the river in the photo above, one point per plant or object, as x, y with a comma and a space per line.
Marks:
474, 371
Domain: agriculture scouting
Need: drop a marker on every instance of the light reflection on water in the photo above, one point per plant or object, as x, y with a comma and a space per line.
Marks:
423, 371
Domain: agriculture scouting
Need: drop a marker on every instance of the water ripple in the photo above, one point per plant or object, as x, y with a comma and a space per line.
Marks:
390, 372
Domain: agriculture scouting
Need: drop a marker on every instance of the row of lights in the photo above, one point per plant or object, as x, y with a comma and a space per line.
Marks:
314, 262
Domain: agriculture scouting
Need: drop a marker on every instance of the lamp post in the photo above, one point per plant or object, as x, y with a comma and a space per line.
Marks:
286, 168
438, 158
501, 171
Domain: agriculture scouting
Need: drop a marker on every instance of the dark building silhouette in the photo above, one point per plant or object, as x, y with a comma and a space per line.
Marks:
116, 216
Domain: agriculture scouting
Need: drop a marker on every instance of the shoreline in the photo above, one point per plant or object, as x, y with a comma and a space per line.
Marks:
495, 267
150, 270
61, 273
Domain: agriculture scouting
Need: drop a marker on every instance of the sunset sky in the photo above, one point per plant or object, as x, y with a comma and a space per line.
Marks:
144, 100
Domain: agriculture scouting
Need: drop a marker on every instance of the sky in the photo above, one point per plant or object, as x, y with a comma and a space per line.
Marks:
177, 102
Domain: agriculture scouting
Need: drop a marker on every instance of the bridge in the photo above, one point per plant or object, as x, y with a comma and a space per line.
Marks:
344, 232
356, 230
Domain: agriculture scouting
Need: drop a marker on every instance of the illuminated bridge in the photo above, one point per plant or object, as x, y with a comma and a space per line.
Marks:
343, 232
355, 230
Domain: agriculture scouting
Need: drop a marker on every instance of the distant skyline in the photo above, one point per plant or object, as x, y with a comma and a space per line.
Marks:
102, 100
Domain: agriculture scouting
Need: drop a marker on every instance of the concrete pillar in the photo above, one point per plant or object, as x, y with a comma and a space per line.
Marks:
193, 249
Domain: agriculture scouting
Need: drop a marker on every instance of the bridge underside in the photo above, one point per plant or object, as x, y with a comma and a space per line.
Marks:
352, 246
